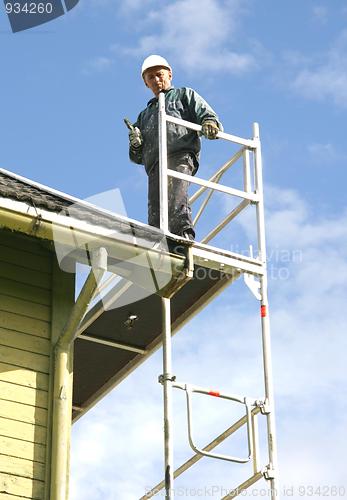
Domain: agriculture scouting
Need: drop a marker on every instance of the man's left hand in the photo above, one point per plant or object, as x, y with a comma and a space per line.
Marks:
210, 129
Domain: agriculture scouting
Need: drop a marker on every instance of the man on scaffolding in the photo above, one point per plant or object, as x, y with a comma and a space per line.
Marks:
183, 144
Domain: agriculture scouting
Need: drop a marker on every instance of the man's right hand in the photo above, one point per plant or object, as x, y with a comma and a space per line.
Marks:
135, 136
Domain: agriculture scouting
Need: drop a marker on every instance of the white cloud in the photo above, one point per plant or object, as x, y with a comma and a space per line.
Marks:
324, 154
210, 43
98, 65
325, 82
326, 76
295, 58
129, 6
320, 13
201, 45
293, 224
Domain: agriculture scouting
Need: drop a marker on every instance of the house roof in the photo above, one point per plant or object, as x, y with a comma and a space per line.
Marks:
106, 349
20, 189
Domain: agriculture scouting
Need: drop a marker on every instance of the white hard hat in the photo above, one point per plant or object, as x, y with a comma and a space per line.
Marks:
152, 61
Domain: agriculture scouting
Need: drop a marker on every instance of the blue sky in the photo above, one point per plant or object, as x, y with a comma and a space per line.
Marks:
66, 87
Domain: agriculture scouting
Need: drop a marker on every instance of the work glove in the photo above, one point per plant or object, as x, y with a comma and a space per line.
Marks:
209, 129
135, 136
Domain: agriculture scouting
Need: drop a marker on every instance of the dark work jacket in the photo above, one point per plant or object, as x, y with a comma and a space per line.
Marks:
182, 103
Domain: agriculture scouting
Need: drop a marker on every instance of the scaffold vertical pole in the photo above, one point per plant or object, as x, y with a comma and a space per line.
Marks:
167, 385
166, 308
163, 177
271, 473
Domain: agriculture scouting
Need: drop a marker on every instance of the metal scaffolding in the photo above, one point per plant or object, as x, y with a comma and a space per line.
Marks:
254, 271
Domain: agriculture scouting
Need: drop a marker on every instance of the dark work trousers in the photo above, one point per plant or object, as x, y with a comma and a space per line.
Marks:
180, 214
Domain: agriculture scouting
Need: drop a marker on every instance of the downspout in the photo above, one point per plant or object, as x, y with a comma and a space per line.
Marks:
63, 376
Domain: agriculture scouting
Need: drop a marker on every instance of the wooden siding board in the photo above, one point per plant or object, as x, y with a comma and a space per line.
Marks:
24, 307
25, 342
5, 496
21, 467
23, 449
23, 275
23, 376
12, 321
26, 274
17, 240
25, 291
23, 413
22, 430
25, 259
25, 395
25, 359
21, 486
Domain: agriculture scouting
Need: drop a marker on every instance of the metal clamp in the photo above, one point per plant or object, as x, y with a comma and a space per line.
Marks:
166, 377
265, 408
269, 473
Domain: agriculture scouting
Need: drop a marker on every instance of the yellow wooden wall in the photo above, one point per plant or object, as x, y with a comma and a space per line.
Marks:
25, 367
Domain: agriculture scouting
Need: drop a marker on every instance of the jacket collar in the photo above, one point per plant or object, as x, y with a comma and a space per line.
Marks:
155, 99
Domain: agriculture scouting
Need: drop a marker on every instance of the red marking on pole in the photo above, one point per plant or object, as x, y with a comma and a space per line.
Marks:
214, 393
263, 311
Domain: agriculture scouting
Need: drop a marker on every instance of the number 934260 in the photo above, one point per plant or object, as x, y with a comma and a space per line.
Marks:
29, 8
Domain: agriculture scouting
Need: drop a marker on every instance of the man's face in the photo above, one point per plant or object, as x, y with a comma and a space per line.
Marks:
157, 79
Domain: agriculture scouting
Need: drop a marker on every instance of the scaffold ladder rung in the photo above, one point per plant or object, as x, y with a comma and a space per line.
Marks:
247, 402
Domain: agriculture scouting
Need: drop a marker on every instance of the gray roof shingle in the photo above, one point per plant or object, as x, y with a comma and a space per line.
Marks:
23, 190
